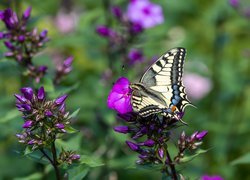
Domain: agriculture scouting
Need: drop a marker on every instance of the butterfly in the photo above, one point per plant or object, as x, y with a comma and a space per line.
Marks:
161, 90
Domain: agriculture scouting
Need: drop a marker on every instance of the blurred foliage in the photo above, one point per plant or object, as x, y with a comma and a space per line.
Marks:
214, 34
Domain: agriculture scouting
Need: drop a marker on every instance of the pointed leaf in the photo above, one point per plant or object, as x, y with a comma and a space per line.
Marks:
74, 114
245, 159
90, 161
187, 158
78, 172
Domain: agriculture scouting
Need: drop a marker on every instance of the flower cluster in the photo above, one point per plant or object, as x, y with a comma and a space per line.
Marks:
150, 134
68, 157
241, 7
140, 15
43, 119
22, 44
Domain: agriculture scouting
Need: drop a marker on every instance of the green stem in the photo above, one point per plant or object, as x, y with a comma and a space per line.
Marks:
55, 163
172, 166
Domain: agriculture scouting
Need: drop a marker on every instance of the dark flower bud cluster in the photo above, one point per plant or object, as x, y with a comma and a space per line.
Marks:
63, 69
43, 118
22, 43
189, 143
68, 157
155, 132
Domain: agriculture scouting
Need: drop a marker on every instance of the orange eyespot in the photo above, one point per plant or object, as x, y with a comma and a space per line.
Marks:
173, 108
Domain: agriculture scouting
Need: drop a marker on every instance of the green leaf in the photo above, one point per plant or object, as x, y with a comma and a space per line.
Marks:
34, 176
90, 161
10, 115
71, 130
27, 150
187, 158
71, 144
245, 159
36, 156
74, 114
78, 172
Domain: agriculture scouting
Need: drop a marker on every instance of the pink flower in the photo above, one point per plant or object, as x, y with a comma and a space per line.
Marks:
66, 23
215, 177
196, 86
145, 13
119, 96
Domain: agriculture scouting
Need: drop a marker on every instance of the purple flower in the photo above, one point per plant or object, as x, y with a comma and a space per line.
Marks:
2, 35
145, 13
135, 55
41, 93
120, 95
132, 146
42, 69
121, 129
28, 124
60, 100
27, 92
26, 13
197, 86
234, 3
215, 177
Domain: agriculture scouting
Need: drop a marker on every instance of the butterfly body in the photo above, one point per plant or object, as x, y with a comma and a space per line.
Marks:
160, 90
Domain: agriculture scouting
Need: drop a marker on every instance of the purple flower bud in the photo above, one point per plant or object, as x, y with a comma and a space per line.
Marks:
135, 55
32, 141
2, 35
62, 108
60, 100
68, 61
26, 13
59, 126
117, 11
133, 146
121, 129
27, 92
75, 157
28, 124
44, 33
20, 98
9, 45
48, 113
21, 38
193, 136
149, 143
103, 31
41, 93
161, 152
26, 107
136, 28
42, 69
201, 135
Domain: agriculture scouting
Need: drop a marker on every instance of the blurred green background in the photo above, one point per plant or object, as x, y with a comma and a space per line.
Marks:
217, 39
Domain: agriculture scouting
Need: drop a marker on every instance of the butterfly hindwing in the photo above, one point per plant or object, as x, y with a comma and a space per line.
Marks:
160, 87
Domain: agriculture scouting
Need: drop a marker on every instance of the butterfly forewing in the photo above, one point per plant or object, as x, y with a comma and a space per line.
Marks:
161, 85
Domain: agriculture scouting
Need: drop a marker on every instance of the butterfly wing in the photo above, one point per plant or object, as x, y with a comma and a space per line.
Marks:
163, 78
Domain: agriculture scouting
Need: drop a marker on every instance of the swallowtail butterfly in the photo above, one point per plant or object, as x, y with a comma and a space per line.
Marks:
160, 90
